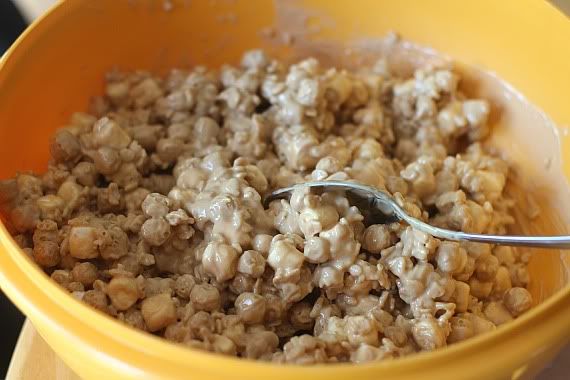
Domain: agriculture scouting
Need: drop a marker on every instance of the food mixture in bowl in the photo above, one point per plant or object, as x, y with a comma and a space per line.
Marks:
151, 211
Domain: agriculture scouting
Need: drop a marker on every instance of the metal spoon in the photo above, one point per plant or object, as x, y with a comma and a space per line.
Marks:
378, 207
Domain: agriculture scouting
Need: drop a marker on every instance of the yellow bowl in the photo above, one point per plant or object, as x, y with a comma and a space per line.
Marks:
61, 59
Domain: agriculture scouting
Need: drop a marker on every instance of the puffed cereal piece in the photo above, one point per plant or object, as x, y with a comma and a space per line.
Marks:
158, 312
251, 263
517, 300
205, 297
428, 334
376, 238
220, 261
123, 292
251, 308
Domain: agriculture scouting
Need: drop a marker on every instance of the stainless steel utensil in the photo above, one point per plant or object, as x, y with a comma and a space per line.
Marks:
379, 208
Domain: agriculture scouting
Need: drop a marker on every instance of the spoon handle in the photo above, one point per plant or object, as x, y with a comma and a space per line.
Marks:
560, 242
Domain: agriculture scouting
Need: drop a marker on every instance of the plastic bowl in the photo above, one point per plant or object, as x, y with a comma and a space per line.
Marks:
60, 61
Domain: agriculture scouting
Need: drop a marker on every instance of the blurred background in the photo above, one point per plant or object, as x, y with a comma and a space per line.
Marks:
15, 15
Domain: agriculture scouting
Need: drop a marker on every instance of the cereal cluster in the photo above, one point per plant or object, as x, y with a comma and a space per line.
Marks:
151, 211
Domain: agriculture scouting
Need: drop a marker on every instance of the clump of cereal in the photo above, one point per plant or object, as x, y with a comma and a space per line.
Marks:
151, 211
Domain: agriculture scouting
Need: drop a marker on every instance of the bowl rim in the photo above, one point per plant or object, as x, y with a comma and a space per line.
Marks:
23, 281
